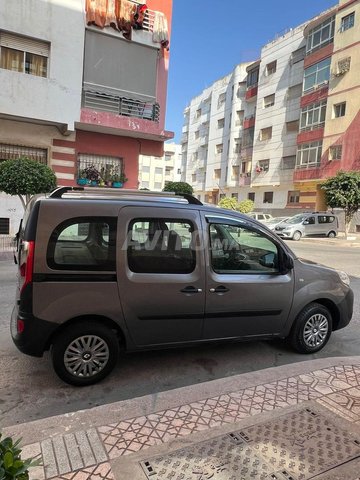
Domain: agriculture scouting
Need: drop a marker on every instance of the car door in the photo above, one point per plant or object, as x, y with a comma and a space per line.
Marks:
161, 274
311, 225
248, 291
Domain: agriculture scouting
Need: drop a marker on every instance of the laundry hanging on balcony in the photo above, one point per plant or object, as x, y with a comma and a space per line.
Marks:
161, 32
122, 15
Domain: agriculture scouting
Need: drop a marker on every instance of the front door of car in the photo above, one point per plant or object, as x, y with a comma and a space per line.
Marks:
247, 290
161, 274
311, 225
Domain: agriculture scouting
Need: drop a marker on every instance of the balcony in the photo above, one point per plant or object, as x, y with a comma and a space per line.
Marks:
249, 121
127, 107
251, 93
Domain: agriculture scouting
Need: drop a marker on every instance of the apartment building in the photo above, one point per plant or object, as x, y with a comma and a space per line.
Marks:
300, 114
82, 86
154, 171
329, 138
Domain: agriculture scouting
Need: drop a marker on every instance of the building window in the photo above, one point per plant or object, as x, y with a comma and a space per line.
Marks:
196, 134
321, 35
292, 127
195, 156
235, 173
288, 163
263, 166
239, 117
347, 22
235, 195
248, 137
268, 197
269, 101
298, 55
294, 92
22, 54
198, 114
217, 173
313, 116
293, 196
168, 157
252, 78
219, 148
145, 169
271, 68
251, 196
13, 152
222, 195
335, 152
193, 177
105, 165
237, 145
309, 155
221, 99
241, 89
317, 75
265, 134
221, 123
158, 171
339, 110
4, 226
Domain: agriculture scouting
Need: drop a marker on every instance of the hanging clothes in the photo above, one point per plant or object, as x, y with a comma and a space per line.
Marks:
125, 11
96, 12
139, 16
161, 32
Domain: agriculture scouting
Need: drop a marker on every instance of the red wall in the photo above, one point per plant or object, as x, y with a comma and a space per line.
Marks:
310, 136
319, 55
125, 147
315, 96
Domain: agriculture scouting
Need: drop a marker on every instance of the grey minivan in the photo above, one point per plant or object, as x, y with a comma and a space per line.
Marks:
308, 224
101, 270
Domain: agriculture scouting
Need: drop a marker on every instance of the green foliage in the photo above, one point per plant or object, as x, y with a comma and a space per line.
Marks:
230, 203
343, 191
26, 177
245, 206
12, 467
178, 187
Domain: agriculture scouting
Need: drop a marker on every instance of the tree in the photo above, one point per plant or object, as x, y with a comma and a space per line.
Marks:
245, 206
343, 191
25, 178
178, 187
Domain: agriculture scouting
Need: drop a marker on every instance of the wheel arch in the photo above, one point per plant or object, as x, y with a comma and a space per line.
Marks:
102, 320
325, 302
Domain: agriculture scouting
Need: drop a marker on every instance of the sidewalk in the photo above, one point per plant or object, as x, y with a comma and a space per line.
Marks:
299, 422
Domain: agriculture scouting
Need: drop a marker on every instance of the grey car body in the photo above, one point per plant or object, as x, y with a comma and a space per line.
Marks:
308, 224
143, 271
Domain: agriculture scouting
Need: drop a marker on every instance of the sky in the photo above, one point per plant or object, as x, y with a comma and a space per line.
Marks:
209, 38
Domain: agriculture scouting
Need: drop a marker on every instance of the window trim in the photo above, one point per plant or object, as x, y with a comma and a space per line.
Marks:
344, 26
322, 43
316, 84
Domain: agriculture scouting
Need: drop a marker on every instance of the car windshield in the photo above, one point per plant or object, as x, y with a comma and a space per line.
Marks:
296, 219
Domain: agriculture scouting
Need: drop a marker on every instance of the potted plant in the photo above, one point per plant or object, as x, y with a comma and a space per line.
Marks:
82, 180
12, 466
116, 180
123, 178
92, 174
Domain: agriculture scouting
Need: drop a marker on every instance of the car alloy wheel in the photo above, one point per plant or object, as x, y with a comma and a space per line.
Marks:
86, 356
315, 330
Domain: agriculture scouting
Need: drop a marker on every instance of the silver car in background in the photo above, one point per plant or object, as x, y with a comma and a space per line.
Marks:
308, 224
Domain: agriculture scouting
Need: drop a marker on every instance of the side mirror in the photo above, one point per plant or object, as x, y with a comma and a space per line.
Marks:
268, 260
287, 264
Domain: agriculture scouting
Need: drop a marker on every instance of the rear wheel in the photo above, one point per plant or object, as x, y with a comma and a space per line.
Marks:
296, 236
331, 234
85, 353
312, 329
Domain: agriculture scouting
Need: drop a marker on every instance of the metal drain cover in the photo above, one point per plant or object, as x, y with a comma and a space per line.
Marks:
296, 446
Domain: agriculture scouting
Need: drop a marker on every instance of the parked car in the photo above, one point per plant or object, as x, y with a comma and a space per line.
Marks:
273, 222
308, 224
100, 271
260, 216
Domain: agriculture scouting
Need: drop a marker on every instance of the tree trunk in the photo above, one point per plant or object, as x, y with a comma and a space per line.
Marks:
22, 201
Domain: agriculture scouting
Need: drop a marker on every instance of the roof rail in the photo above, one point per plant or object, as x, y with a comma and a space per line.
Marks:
113, 192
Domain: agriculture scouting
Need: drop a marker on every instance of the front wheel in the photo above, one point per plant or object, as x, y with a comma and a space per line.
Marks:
296, 236
85, 353
331, 235
312, 329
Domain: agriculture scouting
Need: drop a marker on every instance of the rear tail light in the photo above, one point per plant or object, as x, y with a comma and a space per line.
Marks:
26, 263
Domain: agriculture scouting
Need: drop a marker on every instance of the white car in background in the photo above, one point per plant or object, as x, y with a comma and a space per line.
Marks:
260, 216
273, 222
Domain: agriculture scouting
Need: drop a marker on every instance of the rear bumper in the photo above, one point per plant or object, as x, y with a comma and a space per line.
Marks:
345, 307
34, 339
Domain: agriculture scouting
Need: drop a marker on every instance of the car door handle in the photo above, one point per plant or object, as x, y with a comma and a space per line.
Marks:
220, 289
191, 289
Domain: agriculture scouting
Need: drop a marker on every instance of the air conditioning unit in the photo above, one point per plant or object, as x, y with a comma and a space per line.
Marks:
342, 66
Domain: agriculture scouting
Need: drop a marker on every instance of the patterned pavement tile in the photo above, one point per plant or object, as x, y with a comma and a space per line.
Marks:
136, 434
96, 472
345, 403
332, 379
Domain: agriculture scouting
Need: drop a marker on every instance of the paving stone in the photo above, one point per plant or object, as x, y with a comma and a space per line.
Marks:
73, 451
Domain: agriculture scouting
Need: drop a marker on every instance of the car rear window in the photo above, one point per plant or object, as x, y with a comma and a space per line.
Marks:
86, 243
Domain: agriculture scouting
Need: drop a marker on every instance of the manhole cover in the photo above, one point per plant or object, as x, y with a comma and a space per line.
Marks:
296, 446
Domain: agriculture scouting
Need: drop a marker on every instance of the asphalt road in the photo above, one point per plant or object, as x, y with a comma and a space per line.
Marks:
29, 389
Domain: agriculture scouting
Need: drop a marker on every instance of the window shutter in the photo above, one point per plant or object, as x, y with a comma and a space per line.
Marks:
24, 44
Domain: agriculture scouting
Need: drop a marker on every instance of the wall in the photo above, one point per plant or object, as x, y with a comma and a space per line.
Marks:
56, 98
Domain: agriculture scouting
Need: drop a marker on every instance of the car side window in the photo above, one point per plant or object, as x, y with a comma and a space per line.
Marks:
311, 221
83, 244
326, 218
160, 245
238, 250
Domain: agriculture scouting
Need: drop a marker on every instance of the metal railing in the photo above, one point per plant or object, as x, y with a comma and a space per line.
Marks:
7, 243
121, 105
149, 19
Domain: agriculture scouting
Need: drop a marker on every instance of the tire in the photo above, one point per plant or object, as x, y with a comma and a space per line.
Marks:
303, 337
99, 346
296, 236
331, 234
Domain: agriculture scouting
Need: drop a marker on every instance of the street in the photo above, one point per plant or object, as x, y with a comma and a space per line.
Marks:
29, 389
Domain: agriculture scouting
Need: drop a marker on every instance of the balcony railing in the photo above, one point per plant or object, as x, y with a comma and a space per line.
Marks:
306, 166
121, 105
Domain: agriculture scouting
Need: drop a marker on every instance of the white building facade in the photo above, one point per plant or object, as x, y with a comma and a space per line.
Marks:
154, 171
